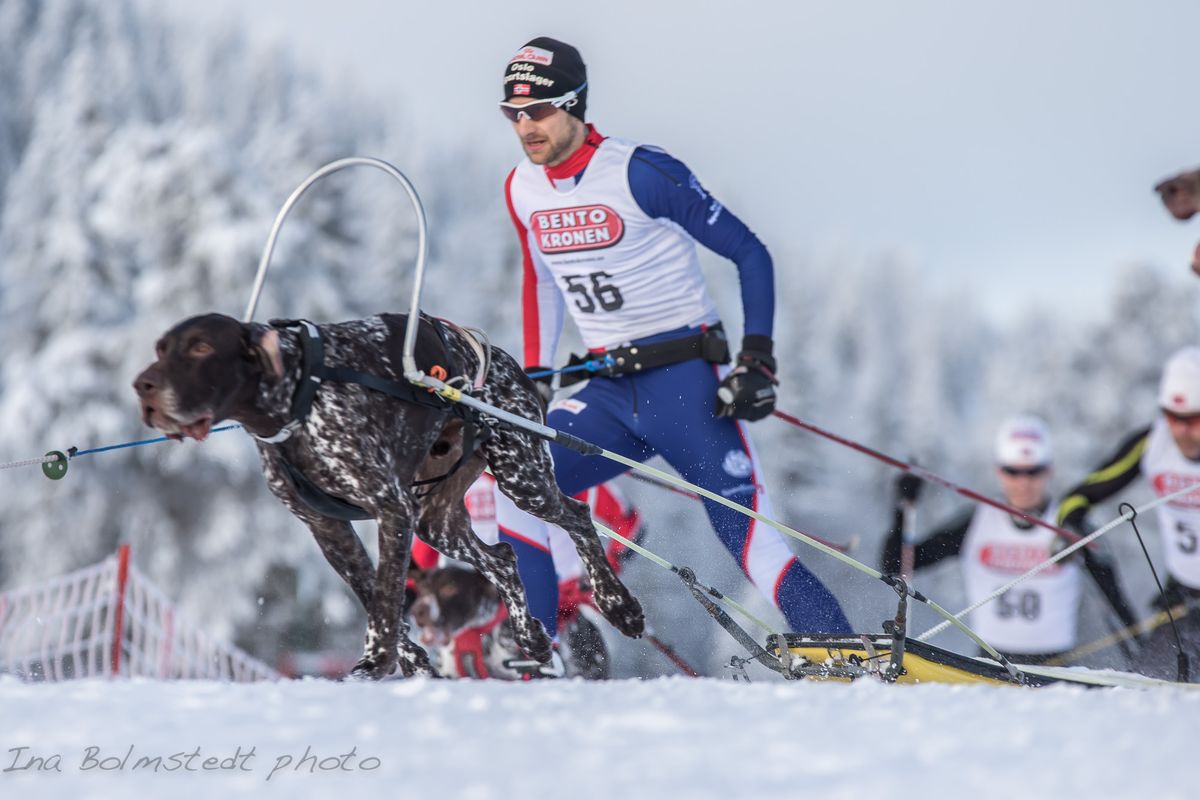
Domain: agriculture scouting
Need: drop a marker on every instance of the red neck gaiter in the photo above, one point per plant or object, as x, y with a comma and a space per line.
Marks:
578, 160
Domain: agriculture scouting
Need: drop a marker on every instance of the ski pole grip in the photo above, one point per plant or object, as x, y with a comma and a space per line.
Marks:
578, 445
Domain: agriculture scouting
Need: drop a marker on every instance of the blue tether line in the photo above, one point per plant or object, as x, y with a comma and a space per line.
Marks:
590, 366
73, 453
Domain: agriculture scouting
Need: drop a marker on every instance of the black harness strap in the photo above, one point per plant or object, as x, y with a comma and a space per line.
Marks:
321, 501
314, 373
405, 391
476, 433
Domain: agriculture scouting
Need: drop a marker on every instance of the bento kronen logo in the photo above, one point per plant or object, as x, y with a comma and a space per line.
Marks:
564, 230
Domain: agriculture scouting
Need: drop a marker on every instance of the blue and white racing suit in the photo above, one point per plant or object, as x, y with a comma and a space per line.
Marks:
609, 235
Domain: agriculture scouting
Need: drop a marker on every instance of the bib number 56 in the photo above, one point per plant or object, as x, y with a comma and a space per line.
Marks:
592, 291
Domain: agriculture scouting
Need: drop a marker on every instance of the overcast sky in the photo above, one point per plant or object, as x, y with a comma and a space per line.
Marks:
1008, 148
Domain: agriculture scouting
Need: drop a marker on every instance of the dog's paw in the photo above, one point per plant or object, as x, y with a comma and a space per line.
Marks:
417, 666
536, 644
372, 669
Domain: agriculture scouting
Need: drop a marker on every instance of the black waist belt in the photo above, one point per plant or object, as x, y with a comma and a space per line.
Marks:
631, 359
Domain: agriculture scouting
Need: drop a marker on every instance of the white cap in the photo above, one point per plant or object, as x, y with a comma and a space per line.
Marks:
1179, 390
1023, 441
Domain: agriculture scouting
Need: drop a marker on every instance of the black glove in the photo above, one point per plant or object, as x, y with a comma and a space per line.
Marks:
543, 383
748, 391
908, 487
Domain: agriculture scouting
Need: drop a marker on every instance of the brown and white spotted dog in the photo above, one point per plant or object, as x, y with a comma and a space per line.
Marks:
367, 448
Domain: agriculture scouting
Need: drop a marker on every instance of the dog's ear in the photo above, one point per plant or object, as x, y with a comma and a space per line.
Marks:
263, 348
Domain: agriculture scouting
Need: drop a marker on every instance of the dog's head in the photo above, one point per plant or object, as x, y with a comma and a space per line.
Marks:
206, 369
450, 599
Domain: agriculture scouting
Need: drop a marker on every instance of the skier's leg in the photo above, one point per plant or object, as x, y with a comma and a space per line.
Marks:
594, 414
716, 453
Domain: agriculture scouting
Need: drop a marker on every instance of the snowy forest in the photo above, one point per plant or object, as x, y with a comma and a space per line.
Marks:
141, 166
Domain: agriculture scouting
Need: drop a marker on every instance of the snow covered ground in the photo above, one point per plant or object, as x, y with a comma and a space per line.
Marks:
618, 740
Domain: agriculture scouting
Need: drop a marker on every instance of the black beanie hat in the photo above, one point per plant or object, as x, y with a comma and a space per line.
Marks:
546, 68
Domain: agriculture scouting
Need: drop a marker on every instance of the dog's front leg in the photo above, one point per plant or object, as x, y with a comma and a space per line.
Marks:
446, 525
345, 553
338, 542
612, 598
525, 474
387, 639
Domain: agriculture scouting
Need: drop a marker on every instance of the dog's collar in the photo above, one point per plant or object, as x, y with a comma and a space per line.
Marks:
311, 375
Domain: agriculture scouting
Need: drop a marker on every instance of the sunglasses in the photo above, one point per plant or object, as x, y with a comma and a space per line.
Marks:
539, 110
1024, 472
1183, 419
1173, 186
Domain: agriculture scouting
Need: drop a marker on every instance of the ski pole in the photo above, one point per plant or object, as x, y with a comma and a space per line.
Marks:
671, 655
908, 539
926, 475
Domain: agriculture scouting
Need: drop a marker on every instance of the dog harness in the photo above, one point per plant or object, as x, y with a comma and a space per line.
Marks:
314, 372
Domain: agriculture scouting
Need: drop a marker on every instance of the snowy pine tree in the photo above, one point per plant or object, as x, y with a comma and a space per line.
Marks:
141, 169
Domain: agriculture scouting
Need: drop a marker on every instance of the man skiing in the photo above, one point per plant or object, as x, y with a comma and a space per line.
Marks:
1038, 620
1167, 454
608, 229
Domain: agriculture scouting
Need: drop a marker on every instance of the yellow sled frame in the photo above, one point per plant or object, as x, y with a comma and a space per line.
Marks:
847, 658
892, 657
826, 657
